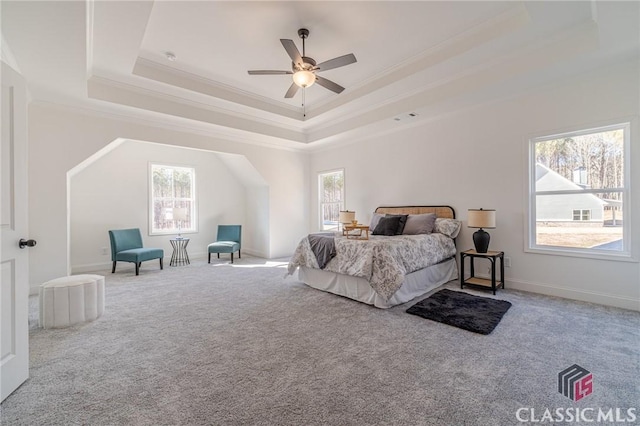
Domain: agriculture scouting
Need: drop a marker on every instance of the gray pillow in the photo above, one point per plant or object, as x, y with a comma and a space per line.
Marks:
374, 220
419, 224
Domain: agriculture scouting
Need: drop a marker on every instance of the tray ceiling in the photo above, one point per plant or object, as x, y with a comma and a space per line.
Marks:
415, 60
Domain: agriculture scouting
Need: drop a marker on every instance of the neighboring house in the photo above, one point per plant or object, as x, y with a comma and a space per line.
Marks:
565, 208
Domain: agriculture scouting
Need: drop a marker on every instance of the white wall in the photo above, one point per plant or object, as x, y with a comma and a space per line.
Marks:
113, 193
477, 158
60, 139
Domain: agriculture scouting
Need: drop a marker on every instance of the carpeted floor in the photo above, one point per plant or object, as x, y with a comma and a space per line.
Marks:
239, 345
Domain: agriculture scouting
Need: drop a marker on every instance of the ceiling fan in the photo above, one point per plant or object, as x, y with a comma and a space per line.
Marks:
304, 69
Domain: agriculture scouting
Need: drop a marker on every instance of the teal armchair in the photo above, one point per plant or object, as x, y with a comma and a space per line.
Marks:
126, 246
228, 241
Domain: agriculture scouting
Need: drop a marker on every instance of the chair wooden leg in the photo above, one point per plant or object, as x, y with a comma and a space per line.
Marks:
137, 268
239, 255
161, 264
218, 255
231, 257
113, 269
209, 261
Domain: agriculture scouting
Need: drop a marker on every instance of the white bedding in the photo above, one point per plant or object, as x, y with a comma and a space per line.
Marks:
414, 285
382, 262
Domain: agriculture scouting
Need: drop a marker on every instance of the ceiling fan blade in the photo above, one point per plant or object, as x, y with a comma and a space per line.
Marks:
328, 84
340, 61
293, 89
292, 50
268, 72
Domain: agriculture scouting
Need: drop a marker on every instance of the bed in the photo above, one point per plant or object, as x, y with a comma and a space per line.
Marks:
385, 271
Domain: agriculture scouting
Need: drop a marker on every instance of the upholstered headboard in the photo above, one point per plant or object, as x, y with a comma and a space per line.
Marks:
446, 212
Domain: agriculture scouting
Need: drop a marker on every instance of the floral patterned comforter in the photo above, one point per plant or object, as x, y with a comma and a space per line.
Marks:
381, 260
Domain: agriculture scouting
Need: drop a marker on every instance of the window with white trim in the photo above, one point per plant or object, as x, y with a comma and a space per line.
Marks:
582, 214
578, 187
173, 199
331, 198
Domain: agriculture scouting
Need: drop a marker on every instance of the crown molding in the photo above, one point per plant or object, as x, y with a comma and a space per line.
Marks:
175, 77
135, 116
106, 89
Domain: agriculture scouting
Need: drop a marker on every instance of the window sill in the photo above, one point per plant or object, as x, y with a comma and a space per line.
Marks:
172, 232
618, 256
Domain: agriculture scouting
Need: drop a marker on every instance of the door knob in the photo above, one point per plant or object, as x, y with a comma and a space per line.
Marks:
26, 243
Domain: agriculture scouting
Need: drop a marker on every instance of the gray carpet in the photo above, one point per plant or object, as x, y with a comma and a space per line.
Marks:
239, 345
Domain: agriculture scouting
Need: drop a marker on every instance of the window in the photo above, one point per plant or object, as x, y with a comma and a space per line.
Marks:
172, 199
582, 215
578, 186
331, 194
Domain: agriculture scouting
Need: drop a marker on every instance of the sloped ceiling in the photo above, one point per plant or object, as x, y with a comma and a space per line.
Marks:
415, 60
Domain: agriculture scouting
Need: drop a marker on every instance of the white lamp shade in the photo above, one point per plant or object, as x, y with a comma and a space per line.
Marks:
304, 78
480, 218
347, 216
180, 213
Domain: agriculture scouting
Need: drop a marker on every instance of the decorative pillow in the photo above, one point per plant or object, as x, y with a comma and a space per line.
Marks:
420, 224
401, 223
448, 227
387, 225
375, 218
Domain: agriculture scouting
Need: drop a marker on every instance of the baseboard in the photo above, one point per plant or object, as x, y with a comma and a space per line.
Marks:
106, 266
255, 253
93, 267
573, 294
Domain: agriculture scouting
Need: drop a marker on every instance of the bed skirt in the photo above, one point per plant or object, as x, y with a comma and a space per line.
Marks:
415, 284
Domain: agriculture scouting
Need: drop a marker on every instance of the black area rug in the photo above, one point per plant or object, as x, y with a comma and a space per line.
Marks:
462, 310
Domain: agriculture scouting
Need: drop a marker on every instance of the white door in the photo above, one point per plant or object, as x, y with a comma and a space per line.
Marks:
14, 261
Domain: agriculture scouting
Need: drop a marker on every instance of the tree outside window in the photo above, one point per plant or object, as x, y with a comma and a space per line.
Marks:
172, 199
331, 194
578, 185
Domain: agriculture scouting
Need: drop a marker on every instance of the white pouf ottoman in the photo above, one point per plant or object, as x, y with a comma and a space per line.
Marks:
71, 300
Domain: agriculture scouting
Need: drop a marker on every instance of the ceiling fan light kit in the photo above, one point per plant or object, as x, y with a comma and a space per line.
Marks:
304, 78
304, 69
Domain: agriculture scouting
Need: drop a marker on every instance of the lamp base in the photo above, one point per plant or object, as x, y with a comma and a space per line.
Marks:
481, 240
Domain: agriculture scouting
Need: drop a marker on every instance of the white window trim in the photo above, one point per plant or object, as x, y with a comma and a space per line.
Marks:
194, 204
319, 190
581, 214
625, 254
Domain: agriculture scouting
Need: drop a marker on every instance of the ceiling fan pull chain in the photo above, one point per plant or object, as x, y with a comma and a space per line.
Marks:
304, 104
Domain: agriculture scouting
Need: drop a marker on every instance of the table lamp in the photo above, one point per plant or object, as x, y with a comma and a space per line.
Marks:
347, 217
480, 218
179, 215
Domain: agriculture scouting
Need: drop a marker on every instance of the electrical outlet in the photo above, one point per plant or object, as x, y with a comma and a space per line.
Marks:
104, 251
507, 262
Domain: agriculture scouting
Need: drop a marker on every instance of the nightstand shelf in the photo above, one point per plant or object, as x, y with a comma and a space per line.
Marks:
493, 283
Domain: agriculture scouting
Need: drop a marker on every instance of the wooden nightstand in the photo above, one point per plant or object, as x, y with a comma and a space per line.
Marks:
492, 256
